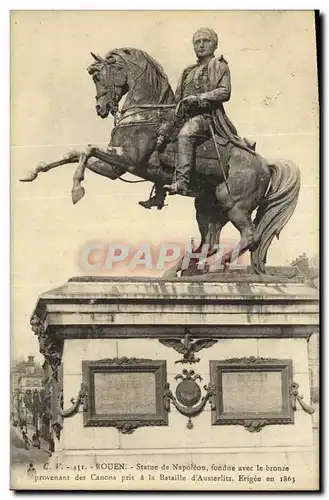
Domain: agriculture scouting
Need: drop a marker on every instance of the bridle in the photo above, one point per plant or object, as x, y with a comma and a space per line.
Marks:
109, 87
101, 94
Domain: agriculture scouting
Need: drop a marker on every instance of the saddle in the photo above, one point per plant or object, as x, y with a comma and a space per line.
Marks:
206, 158
206, 163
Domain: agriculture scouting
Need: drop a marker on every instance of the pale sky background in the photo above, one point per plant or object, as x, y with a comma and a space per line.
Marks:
272, 58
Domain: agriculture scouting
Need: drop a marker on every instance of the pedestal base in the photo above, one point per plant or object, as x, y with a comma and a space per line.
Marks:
121, 322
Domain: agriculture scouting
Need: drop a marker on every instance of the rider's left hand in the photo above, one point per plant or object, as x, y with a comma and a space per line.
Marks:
191, 100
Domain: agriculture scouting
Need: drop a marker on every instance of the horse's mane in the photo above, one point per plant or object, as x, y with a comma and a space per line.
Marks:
151, 84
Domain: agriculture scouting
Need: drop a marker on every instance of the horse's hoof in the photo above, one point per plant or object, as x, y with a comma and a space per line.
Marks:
29, 177
170, 273
77, 194
226, 268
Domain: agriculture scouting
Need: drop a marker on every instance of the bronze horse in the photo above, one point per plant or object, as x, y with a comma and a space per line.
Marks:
249, 181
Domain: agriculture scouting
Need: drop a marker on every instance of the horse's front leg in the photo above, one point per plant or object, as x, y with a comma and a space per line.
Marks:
190, 262
109, 156
113, 155
78, 191
71, 157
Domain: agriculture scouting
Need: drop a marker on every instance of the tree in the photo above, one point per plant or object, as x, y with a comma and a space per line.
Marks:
34, 401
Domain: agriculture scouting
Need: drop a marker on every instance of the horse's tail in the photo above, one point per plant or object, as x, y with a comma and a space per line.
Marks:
275, 209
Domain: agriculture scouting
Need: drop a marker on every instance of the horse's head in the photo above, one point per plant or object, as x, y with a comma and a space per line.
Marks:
110, 78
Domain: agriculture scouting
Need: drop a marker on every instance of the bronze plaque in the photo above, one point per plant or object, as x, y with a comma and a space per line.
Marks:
125, 393
252, 391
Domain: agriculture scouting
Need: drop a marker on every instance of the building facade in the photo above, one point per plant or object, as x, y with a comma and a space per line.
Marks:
26, 392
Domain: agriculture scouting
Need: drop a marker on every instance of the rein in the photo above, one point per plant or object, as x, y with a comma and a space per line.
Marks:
101, 94
140, 108
152, 106
132, 182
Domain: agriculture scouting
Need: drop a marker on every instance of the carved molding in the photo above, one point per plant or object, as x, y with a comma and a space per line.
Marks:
56, 400
315, 395
123, 361
50, 344
57, 428
256, 425
215, 331
187, 346
250, 360
81, 400
295, 396
37, 325
127, 426
188, 399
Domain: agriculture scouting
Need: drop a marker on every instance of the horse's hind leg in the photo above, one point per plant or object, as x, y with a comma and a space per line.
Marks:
241, 219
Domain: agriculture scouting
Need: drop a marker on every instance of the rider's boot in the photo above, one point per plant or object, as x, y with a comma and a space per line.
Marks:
154, 159
157, 200
185, 153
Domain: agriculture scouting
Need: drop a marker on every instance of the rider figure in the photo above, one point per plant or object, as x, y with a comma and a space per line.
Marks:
202, 87
201, 92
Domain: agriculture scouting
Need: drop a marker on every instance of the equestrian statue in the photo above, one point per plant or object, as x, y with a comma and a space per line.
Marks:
185, 144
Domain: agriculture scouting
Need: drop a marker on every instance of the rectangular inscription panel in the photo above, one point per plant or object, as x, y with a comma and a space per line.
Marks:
126, 393
252, 392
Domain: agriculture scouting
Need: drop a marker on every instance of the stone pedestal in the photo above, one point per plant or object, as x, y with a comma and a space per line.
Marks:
92, 319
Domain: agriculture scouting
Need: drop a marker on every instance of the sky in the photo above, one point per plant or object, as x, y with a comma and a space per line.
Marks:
272, 58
